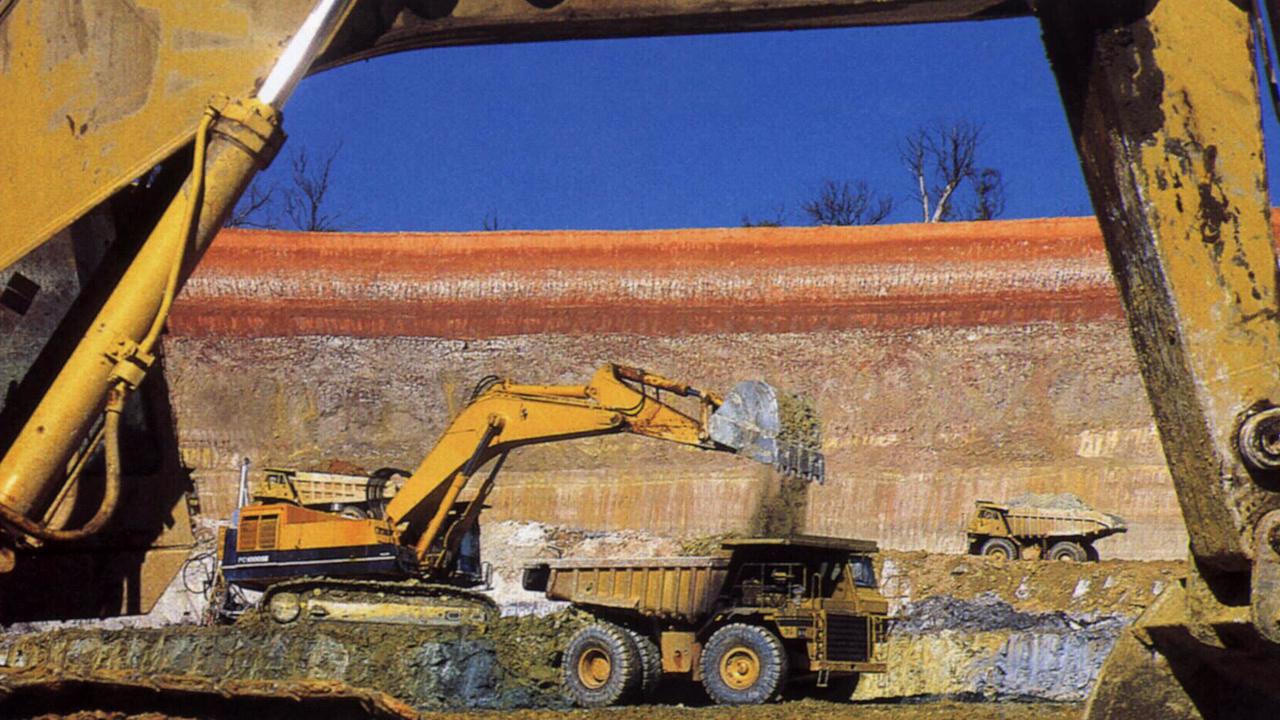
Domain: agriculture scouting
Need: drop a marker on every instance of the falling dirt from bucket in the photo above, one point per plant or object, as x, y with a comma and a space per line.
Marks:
783, 506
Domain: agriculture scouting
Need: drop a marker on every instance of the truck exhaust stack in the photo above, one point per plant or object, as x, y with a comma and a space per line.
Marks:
776, 428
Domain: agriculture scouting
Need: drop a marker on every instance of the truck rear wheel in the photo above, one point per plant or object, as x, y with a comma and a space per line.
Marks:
650, 664
1067, 550
999, 547
353, 512
601, 666
743, 665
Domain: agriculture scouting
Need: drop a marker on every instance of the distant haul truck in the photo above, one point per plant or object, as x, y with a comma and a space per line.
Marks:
744, 623
1052, 527
351, 496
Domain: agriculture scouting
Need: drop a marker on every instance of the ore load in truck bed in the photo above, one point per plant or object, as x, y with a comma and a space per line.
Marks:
1060, 515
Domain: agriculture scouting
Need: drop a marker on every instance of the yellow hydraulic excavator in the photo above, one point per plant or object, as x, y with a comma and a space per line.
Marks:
284, 548
130, 128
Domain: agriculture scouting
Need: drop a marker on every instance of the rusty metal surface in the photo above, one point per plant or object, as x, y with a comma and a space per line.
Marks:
1170, 139
380, 28
1265, 584
1171, 143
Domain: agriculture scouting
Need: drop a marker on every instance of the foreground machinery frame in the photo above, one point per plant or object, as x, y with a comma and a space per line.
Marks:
1161, 95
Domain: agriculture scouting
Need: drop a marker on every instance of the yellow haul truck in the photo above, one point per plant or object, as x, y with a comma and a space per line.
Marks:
1049, 527
744, 623
315, 564
352, 496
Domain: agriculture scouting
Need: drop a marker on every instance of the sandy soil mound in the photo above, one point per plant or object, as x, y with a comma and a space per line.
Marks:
1110, 587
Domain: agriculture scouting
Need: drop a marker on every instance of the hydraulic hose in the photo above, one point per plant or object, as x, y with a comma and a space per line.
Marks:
110, 492
189, 219
117, 394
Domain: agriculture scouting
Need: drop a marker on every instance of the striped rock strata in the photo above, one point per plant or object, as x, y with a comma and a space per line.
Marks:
949, 363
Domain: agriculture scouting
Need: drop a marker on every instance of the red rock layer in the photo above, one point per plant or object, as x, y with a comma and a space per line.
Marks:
477, 285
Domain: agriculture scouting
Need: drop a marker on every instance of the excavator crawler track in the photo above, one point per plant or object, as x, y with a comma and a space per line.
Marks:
376, 601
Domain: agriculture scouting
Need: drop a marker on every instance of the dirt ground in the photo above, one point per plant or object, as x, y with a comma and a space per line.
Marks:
802, 710
799, 710
963, 628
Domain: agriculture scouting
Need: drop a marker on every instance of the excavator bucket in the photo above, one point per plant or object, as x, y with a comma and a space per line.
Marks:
1173, 666
776, 428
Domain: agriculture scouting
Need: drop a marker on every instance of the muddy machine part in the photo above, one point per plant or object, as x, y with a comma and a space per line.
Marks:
771, 427
186, 166
1171, 144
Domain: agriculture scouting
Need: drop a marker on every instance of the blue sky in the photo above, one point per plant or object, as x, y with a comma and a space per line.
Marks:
678, 132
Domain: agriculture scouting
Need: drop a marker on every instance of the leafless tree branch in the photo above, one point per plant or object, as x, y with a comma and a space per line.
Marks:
940, 159
953, 151
847, 204
988, 192
304, 202
913, 153
254, 208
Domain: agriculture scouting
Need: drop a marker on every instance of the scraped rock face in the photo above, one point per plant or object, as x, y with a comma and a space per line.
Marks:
990, 629
947, 364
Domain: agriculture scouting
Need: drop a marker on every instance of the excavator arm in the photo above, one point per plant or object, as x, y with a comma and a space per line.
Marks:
505, 415
1170, 140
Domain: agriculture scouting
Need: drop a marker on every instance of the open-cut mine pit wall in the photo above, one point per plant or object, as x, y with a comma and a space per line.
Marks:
949, 363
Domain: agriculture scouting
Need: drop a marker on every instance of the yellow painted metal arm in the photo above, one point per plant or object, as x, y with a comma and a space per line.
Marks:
116, 351
509, 415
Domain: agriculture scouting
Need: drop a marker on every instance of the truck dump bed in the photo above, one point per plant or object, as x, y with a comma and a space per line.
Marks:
326, 488
682, 588
1056, 522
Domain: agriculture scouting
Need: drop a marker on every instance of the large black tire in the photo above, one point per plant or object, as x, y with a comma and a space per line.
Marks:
375, 492
1091, 552
601, 667
650, 664
352, 512
743, 665
999, 547
1067, 550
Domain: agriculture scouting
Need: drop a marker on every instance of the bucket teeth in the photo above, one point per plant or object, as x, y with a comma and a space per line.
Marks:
802, 462
775, 428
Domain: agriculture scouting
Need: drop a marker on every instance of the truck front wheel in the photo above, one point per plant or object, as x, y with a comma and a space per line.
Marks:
601, 666
999, 547
743, 665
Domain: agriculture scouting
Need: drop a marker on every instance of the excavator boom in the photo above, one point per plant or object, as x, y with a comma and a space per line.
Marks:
277, 541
